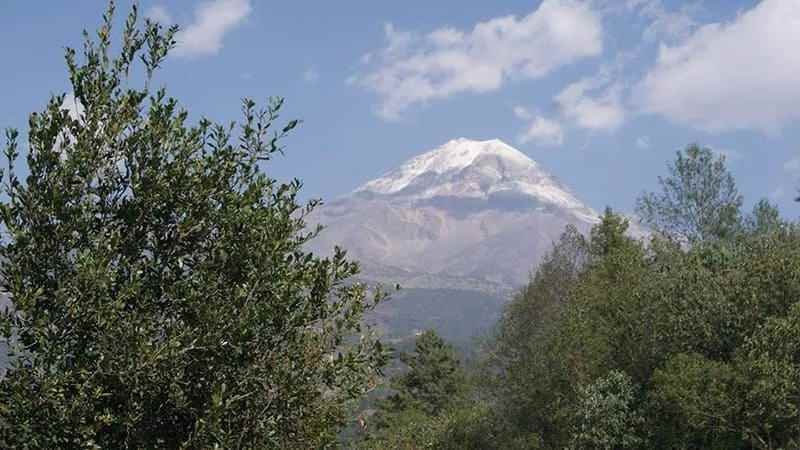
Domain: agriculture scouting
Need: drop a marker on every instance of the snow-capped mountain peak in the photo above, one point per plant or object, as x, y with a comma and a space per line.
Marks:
468, 213
453, 156
472, 169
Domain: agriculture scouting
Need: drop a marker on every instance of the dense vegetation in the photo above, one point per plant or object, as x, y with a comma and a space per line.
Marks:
687, 340
162, 298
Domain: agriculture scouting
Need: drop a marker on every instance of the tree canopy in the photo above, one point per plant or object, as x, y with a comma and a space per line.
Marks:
162, 296
699, 199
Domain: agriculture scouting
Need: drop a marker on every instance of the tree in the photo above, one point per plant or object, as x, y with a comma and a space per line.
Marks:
525, 369
698, 403
606, 417
656, 346
699, 200
609, 234
434, 379
770, 363
765, 218
427, 399
162, 295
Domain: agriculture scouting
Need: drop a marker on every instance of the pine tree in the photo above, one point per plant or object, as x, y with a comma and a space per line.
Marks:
433, 381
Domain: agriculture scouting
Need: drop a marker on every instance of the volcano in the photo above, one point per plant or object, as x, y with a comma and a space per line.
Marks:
475, 215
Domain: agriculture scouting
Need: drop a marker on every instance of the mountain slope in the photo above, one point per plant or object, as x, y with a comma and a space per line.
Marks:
475, 215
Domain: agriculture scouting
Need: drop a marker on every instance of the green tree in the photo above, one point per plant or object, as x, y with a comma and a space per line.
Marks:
606, 416
526, 372
769, 362
617, 344
162, 295
434, 379
609, 235
427, 403
698, 200
697, 403
765, 218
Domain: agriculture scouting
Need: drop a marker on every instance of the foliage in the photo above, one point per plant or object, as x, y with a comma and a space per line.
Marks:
623, 344
523, 368
606, 416
764, 219
461, 427
697, 400
433, 382
162, 297
699, 200
434, 379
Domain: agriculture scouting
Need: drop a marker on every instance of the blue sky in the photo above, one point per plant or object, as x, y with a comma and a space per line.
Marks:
601, 92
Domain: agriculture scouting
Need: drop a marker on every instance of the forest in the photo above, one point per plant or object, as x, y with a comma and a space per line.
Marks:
687, 339
163, 297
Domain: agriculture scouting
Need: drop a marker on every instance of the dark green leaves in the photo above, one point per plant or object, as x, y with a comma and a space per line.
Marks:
163, 297
290, 126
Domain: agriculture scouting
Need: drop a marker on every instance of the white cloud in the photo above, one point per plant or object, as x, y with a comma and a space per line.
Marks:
664, 23
415, 68
543, 131
310, 75
737, 75
159, 14
602, 111
643, 142
212, 20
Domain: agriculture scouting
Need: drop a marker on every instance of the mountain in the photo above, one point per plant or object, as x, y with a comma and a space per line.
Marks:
460, 227
473, 215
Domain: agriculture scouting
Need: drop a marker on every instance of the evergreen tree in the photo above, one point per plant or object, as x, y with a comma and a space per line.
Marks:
434, 379
609, 234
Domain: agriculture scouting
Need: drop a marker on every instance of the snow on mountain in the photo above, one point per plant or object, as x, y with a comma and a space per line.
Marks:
466, 214
473, 169
453, 156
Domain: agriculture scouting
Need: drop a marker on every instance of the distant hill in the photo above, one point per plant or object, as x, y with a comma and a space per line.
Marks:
458, 315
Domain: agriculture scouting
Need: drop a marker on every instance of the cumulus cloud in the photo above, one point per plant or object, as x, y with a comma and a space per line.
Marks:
212, 20
592, 103
662, 22
414, 68
543, 131
540, 130
727, 76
